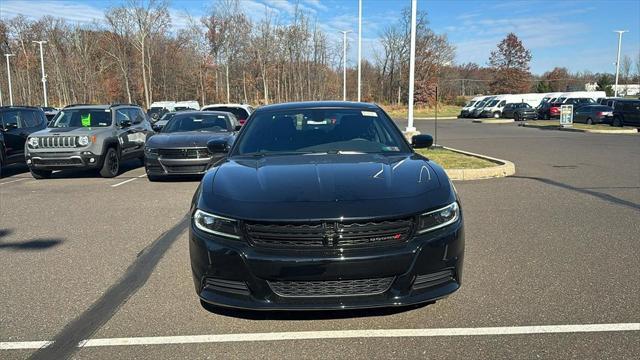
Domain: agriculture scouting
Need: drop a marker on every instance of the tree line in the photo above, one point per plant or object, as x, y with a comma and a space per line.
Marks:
135, 55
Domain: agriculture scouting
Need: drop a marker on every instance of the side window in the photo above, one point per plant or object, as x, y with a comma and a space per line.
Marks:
121, 115
502, 103
30, 119
10, 120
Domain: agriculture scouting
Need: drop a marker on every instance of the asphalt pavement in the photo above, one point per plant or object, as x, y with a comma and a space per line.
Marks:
557, 244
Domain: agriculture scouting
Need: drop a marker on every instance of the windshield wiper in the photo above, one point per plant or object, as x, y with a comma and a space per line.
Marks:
336, 152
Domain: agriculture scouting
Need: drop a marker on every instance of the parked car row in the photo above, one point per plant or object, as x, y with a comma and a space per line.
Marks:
101, 137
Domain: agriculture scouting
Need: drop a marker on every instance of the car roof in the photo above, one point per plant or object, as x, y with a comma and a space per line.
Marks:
244, 106
99, 106
318, 105
200, 112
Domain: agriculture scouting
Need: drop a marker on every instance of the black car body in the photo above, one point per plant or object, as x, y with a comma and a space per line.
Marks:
593, 114
626, 112
16, 124
158, 125
352, 219
181, 147
519, 111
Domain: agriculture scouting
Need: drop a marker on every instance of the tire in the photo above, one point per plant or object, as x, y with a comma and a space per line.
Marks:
617, 122
546, 117
1, 167
589, 121
40, 174
516, 117
111, 165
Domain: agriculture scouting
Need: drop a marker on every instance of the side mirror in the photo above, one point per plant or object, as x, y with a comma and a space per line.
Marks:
421, 141
125, 123
238, 127
218, 146
157, 128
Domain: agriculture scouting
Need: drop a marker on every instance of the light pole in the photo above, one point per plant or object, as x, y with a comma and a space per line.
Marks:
412, 65
359, 48
9, 78
620, 32
44, 77
344, 63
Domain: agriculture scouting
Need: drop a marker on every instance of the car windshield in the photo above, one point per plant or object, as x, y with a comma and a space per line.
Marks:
470, 103
167, 116
240, 113
197, 122
68, 118
320, 131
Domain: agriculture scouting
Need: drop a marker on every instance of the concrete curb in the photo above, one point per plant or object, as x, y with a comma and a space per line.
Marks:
504, 168
592, 131
439, 118
493, 121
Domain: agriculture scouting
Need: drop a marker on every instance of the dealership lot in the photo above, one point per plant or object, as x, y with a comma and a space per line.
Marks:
557, 244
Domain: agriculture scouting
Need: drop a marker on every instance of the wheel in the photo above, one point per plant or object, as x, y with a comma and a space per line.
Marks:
516, 117
496, 115
111, 165
617, 121
589, 121
40, 174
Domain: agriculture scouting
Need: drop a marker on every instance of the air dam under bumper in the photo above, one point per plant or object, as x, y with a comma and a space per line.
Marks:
64, 160
235, 274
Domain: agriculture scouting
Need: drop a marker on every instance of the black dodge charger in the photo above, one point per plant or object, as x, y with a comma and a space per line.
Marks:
180, 148
324, 205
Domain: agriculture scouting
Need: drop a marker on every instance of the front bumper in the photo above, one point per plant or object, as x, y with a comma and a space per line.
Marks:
235, 274
63, 160
156, 165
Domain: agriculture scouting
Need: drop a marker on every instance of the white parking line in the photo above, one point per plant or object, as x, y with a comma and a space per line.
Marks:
123, 182
12, 181
143, 175
338, 334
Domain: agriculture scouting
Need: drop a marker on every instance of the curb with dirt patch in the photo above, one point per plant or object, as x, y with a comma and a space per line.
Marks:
493, 121
592, 131
503, 168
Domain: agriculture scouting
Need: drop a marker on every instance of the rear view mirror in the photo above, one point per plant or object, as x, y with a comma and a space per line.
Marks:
218, 146
421, 141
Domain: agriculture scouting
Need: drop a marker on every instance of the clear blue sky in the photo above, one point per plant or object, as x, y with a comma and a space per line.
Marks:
574, 34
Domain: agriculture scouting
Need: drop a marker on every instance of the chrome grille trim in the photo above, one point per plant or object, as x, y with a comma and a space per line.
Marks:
55, 142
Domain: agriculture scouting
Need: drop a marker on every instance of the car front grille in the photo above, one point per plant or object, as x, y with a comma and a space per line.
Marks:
331, 288
192, 153
186, 169
329, 234
57, 141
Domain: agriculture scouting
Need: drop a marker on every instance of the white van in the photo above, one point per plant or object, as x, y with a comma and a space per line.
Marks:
494, 108
595, 95
469, 106
187, 105
479, 106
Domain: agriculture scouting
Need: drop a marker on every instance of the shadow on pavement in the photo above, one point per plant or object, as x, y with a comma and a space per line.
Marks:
309, 315
36, 244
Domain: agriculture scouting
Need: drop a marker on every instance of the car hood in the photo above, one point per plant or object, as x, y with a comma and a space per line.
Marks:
185, 139
324, 186
72, 131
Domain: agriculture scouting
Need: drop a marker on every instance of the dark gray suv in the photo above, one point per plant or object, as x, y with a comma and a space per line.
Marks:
89, 137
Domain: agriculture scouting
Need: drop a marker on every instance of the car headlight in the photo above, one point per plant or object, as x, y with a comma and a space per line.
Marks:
217, 225
33, 142
437, 219
83, 140
149, 151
